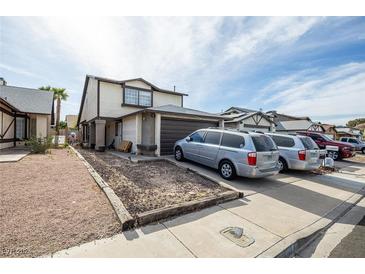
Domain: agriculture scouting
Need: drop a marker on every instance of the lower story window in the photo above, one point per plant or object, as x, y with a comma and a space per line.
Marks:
20, 128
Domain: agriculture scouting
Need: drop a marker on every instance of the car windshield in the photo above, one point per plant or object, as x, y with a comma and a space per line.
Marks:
263, 143
308, 143
326, 137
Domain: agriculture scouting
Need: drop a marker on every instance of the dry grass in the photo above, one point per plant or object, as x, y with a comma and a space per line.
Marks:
48, 203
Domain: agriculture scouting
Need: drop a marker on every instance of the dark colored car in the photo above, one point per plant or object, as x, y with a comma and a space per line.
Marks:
335, 149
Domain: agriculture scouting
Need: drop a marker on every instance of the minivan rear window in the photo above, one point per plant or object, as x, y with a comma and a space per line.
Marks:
282, 141
308, 143
233, 140
263, 143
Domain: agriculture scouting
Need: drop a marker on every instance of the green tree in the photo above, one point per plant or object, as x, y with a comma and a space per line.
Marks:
355, 122
59, 94
63, 124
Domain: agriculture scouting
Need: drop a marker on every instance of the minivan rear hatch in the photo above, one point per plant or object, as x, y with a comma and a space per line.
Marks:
266, 151
312, 149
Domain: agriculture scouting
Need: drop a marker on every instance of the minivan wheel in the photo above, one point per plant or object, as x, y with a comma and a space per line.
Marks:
363, 150
333, 155
227, 170
179, 156
283, 166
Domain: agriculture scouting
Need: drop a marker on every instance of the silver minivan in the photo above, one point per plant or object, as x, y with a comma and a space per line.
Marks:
232, 152
296, 152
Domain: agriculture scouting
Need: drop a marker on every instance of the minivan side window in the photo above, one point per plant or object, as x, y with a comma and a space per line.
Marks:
212, 137
282, 141
197, 137
353, 141
233, 140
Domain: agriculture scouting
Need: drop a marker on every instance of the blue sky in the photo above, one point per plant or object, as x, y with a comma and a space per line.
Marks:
313, 66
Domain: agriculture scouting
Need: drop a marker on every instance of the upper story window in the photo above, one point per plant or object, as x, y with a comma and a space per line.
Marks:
137, 97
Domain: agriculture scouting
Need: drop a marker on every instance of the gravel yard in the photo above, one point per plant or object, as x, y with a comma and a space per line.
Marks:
150, 185
50, 202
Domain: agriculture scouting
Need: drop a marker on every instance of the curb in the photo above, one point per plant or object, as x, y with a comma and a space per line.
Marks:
186, 207
123, 215
294, 243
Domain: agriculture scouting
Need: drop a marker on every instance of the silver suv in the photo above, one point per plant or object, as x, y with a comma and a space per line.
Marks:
359, 145
296, 152
232, 152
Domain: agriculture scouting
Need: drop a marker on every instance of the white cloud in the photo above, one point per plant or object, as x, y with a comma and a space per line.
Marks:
194, 53
333, 92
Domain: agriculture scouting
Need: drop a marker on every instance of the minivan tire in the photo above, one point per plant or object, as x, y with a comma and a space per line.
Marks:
334, 155
227, 170
178, 154
363, 150
283, 165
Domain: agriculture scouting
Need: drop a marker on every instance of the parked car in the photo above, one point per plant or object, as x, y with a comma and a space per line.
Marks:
335, 149
296, 152
359, 145
232, 152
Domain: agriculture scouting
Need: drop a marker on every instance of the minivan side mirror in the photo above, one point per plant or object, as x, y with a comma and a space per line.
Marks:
188, 139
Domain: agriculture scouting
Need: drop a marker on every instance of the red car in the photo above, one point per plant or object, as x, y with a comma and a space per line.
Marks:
335, 149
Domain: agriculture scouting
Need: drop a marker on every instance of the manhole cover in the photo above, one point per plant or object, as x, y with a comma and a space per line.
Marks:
237, 235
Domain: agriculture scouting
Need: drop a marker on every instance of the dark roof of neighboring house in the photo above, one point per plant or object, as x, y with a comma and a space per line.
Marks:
28, 100
290, 117
293, 125
172, 109
240, 109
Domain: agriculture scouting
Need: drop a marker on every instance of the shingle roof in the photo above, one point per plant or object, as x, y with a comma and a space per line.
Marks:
293, 125
28, 100
182, 110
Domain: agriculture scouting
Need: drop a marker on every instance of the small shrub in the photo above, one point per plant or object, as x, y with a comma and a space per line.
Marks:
39, 145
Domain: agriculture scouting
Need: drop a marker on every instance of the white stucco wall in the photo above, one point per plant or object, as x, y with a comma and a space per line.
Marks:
138, 84
5, 121
89, 110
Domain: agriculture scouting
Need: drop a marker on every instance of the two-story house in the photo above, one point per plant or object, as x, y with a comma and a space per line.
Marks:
135, 110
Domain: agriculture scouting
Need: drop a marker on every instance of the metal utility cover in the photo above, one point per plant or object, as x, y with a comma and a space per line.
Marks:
236, 235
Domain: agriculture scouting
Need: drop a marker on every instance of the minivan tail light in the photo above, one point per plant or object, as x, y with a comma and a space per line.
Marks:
251, 158
301, 154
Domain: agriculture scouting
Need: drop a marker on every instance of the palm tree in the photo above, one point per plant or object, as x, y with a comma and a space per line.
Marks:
59, 94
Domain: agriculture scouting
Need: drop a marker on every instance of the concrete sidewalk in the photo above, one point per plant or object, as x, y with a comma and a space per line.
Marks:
276, 212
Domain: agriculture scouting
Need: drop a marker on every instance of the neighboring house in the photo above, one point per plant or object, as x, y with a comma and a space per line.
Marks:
24, 113
330, 131
138, 111
361, 127
343, 131
288, 124
71, 121
247, 119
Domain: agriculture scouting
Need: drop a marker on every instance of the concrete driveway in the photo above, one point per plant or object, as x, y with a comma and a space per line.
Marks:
275, 212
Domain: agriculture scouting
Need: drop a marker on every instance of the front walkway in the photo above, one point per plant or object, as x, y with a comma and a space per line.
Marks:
9, 155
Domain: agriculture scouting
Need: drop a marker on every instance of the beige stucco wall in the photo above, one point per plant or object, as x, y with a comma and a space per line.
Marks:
89, 110
160, 98
111, 99
7, 119
130, 130
42, 125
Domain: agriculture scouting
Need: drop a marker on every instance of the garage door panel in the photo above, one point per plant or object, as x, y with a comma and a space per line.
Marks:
176, 129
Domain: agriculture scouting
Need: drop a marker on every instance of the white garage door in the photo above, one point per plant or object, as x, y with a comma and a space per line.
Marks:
129, 131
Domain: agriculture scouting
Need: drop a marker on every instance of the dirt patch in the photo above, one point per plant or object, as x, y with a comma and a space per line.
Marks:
358, 158
146, 186
50, 202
